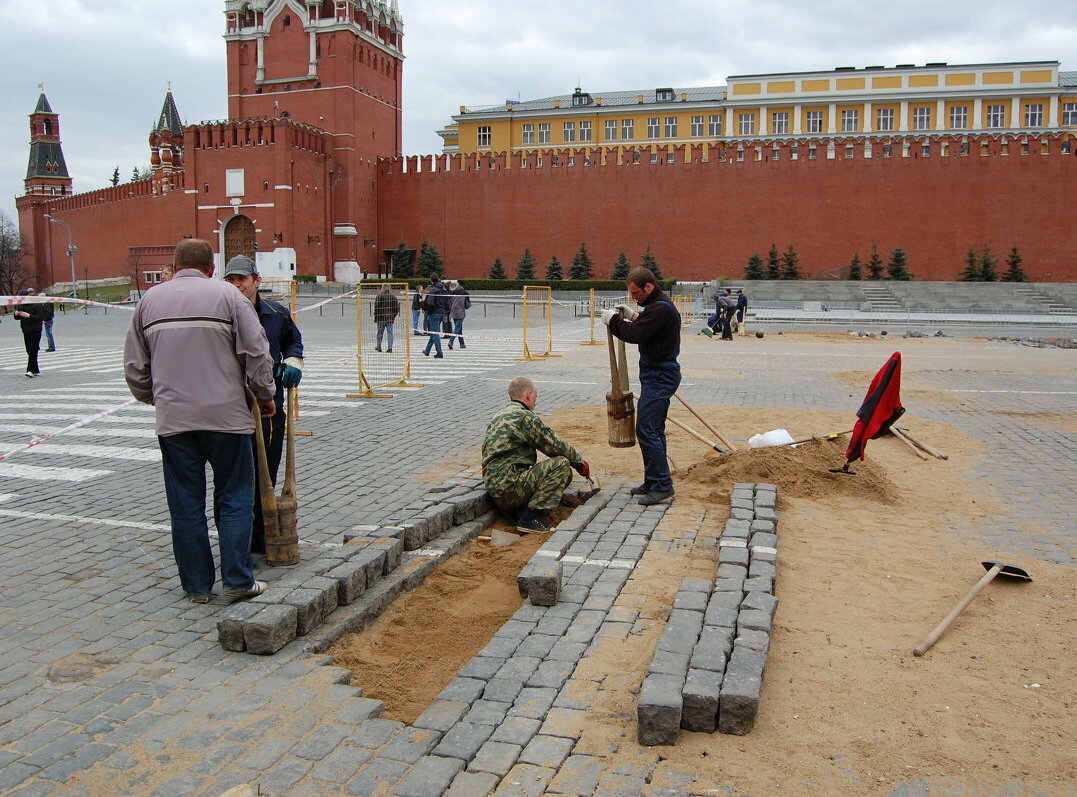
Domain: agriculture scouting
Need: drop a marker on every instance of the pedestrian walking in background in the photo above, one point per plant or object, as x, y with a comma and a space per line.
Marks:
386, 309
193, 347
436, 306
459, 304
742, 311
49, 312
31, 320
417, 309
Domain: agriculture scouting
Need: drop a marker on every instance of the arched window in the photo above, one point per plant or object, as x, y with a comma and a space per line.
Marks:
47, 127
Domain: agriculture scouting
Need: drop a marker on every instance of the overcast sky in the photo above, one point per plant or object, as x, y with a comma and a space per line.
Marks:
106, 63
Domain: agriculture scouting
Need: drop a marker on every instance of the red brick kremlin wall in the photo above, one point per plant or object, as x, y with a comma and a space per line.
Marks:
704, 219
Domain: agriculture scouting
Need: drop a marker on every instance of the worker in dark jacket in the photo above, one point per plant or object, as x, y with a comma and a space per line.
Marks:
286, 349
31, 319
742, 311
656, 328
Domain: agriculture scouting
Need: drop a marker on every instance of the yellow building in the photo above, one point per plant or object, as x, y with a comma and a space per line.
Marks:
871, 102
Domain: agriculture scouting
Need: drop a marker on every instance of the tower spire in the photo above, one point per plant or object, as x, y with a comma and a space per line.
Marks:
46, 172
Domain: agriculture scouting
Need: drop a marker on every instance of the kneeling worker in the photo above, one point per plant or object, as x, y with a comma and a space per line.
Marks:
509, 470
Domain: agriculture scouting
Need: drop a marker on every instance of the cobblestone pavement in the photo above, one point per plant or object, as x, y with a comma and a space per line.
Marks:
112, 683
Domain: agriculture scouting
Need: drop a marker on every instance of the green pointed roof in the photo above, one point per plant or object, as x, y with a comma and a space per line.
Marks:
46, 160
43, 105
169, 120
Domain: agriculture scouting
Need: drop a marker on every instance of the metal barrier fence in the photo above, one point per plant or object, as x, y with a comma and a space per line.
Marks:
537, 319
382, 338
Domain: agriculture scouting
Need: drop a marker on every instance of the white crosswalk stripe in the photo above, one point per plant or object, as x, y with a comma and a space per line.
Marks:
14, 470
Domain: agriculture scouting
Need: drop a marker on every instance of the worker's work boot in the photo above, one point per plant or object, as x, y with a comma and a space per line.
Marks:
641, 489
656, 497
528, 522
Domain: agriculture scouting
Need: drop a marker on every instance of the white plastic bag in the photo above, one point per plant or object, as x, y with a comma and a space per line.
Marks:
777, 437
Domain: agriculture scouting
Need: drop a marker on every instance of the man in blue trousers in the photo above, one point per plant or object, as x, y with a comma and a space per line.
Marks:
656, 328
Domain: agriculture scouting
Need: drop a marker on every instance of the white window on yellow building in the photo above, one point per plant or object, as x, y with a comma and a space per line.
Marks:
484, 135
996, 115
544, 133
697, 126
921, 118
1034, 114
529, 133
671, 127
628, 129
585, 131
1069, 113
850, 121
569, 132
959, 117
654, 124
714, 125
746, 124
611, 129
884, 119
814, 120
779, 123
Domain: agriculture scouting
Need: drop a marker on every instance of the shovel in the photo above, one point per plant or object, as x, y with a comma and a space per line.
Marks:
993, 569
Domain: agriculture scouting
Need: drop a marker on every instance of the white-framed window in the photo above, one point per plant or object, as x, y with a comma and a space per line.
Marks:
884, 119
775, 153
888, 150
671, 157
585, 131
654, 124
850, 121
849, 151
714, 124
671, 127
959, 117
746, 124
996, 115
925, 150
628, 129
779, 123
654, 158
1034, 114
484, 135
697, 126
813, 152
921, 118
814, 121
544, 133
568, 132
794, 153
529, 133
151, 277
1069, 113
611, 129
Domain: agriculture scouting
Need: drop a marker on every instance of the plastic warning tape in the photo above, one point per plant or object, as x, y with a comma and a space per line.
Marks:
76, 425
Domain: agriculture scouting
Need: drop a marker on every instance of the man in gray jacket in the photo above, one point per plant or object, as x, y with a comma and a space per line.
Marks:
192, 348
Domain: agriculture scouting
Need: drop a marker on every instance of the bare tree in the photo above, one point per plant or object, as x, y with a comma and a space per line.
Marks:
13, 248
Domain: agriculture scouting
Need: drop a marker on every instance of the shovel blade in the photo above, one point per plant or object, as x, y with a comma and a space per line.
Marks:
1008, 570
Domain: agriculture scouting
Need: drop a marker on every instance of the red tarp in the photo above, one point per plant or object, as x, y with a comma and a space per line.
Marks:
881, 408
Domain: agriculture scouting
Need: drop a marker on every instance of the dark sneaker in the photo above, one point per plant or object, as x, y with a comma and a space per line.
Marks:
642, 489
200, 598
389, 350
528, 523
258, 588
656, 497
377, 348
438, 356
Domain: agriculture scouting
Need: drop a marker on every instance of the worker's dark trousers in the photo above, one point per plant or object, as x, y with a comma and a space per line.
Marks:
658, 383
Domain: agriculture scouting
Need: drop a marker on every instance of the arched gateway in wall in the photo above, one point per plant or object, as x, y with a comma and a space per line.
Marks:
238, 238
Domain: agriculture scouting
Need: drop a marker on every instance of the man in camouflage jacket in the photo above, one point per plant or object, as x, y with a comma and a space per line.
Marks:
509, 470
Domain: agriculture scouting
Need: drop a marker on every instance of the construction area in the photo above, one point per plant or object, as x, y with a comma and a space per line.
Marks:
755, 635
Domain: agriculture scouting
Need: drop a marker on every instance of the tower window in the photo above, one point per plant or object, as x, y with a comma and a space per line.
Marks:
287, 20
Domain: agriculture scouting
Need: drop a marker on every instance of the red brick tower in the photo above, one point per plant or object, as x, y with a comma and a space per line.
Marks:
46, 179
334, 65
166, 145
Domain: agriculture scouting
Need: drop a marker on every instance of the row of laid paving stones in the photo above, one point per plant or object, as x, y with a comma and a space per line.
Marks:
707, 669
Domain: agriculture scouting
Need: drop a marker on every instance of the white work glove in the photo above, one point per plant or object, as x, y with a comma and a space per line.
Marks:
627, 312
607, 315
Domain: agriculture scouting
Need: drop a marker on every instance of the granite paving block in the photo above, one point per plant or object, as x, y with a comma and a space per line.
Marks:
578, 775
517, 729
741, 514
738, 703
699, 697
410, 744
502, 690
463, 740
441, 715
759, 584
310, 607
546, 751
722, 615
760, 601
351, 581
487, 712
329, 590
533, 702
270, 629
737, 528
696, 585
766, 513
473, 784
430, 777
540, 581
658, 710
670, 663
463, 690
764, 539
525, 780
695, 601
732, 555
496, 758
753, 640
762, 570
377, 778
394, 549
752, 619
713, 648
763, 527
230, 625
730, 571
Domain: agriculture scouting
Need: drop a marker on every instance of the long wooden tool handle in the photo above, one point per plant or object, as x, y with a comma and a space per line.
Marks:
831, 436
265, 483
947, 621
622, 367
695, 434
897, 433
702, 420
615, 372
289, 466
932, 451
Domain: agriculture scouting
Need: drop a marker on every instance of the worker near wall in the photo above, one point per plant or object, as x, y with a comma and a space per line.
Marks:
286, 349
656, 329
511, 472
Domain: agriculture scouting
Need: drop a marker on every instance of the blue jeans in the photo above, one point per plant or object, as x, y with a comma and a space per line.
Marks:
433, 327
457, 333
657, 386
48, 334
385, 326
184, 457
415, 322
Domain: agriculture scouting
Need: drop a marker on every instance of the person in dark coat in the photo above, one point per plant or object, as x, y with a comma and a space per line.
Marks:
459, 303
386, 309
49, 313
31, 319
742, 311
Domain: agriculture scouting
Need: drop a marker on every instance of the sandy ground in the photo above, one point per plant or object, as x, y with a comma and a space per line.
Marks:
868, 564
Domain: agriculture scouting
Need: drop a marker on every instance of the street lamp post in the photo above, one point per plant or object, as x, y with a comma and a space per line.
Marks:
71, 249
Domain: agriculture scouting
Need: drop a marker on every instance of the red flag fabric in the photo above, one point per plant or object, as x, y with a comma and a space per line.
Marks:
881, 408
